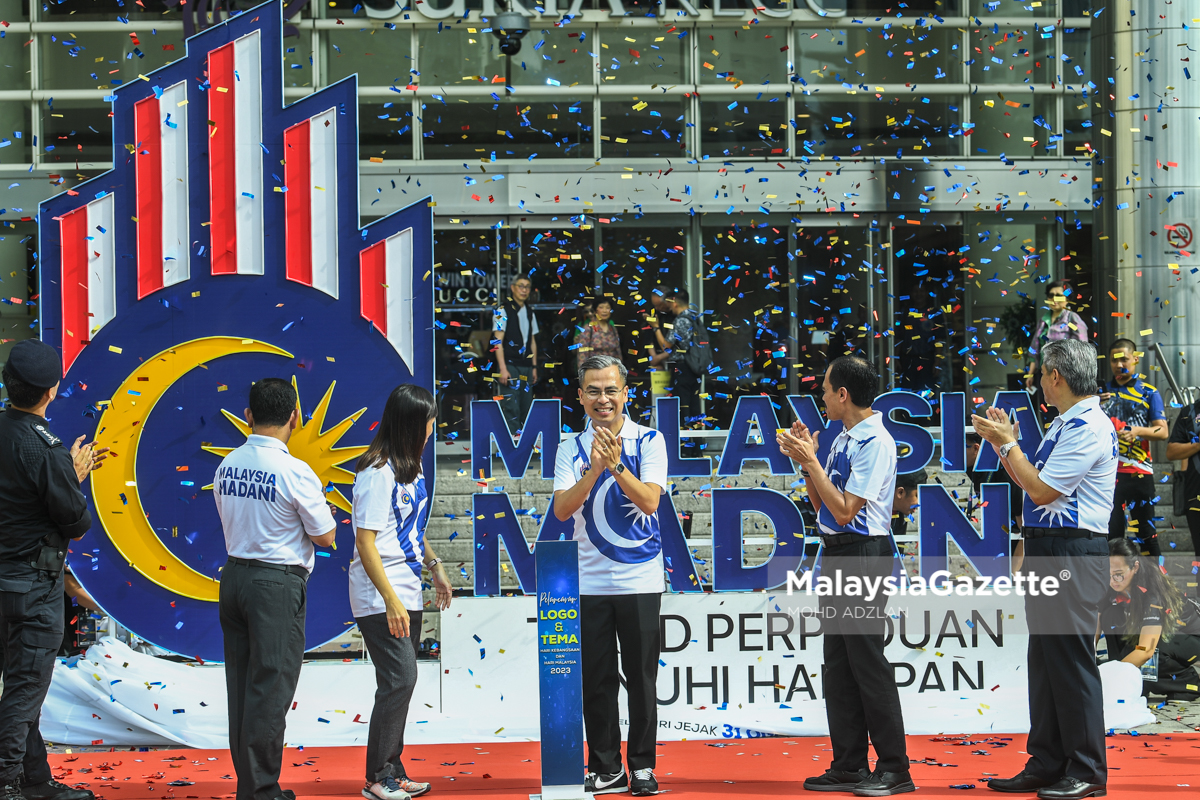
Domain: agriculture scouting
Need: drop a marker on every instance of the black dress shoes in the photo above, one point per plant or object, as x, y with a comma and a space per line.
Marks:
1022, 782
53, 790
885, 784
1072, 789
836, 780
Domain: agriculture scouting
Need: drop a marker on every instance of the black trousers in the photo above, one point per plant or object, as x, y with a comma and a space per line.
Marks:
685, 385
1177, 659
1193, 521
861, 698
395, 663
631, 620
262, 618
517, 397
31, 630
1135, 492
1066, 699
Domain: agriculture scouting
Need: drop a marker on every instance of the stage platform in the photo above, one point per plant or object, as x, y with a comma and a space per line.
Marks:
1140, 766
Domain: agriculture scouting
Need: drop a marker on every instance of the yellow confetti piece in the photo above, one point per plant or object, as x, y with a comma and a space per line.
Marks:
112, 348
1147, 332
329, 358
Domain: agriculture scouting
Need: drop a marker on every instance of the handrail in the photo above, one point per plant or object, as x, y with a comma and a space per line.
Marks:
1183, 395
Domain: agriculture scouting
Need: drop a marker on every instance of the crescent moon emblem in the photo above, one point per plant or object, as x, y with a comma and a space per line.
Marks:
120, 427
602, 526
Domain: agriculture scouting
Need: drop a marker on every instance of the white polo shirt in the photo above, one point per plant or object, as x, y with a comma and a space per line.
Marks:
620, 548
270, 502
397, 513
862, 461
1078, 458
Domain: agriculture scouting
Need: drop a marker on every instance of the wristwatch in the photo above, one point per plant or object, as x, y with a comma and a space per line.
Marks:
620, 468
434, 563
1005, 448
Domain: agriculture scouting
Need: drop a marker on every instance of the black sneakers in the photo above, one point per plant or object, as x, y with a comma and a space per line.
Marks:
644, 783
604, 783
836, 780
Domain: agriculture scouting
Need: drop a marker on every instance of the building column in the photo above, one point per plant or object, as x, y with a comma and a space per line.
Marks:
1146, 180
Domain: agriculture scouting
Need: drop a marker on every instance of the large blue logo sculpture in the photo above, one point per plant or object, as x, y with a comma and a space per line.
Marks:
224, 246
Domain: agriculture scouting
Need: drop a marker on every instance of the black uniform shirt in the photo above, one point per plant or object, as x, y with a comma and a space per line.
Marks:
39, 492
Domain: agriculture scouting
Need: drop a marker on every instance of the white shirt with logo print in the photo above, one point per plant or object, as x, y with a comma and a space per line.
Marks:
620, 548
270, 503
1078, 459
396, 512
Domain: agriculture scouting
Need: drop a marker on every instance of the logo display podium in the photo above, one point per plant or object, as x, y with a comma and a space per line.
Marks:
560, 680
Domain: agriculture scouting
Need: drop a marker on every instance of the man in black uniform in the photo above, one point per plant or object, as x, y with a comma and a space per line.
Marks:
41, 510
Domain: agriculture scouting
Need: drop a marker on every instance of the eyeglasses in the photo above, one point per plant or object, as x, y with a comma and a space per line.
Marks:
1116, 577
611, 391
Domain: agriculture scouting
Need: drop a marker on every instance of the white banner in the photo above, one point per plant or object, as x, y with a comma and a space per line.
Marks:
741, 665
734, 666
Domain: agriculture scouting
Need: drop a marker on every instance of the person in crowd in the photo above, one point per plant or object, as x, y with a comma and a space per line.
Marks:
272, 509
613, 474
1146, 615
1016, 498
391, 507
853, 494
515, 325
1136, 410
1068, 485
1057, 322
1184, 445
41, 511
905, 498
597, 336
673, 347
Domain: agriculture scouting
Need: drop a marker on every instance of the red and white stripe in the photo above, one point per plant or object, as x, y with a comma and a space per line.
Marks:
387, 296
310, 173
161, 168
235, 163
88, 274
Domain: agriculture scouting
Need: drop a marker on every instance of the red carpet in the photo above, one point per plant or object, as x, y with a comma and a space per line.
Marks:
1139, 766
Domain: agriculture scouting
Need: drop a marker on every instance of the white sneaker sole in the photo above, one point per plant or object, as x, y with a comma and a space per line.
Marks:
367, 793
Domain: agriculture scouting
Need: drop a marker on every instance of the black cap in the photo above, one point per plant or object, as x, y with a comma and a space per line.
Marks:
36, 363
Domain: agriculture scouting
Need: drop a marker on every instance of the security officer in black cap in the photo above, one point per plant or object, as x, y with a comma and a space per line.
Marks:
41, 510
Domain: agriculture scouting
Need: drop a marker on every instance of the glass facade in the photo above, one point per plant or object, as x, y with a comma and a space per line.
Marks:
786, 282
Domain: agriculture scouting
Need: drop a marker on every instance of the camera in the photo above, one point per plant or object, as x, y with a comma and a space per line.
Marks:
510, 28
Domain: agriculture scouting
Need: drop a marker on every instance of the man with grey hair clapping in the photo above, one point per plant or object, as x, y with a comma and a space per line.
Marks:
1068, 485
